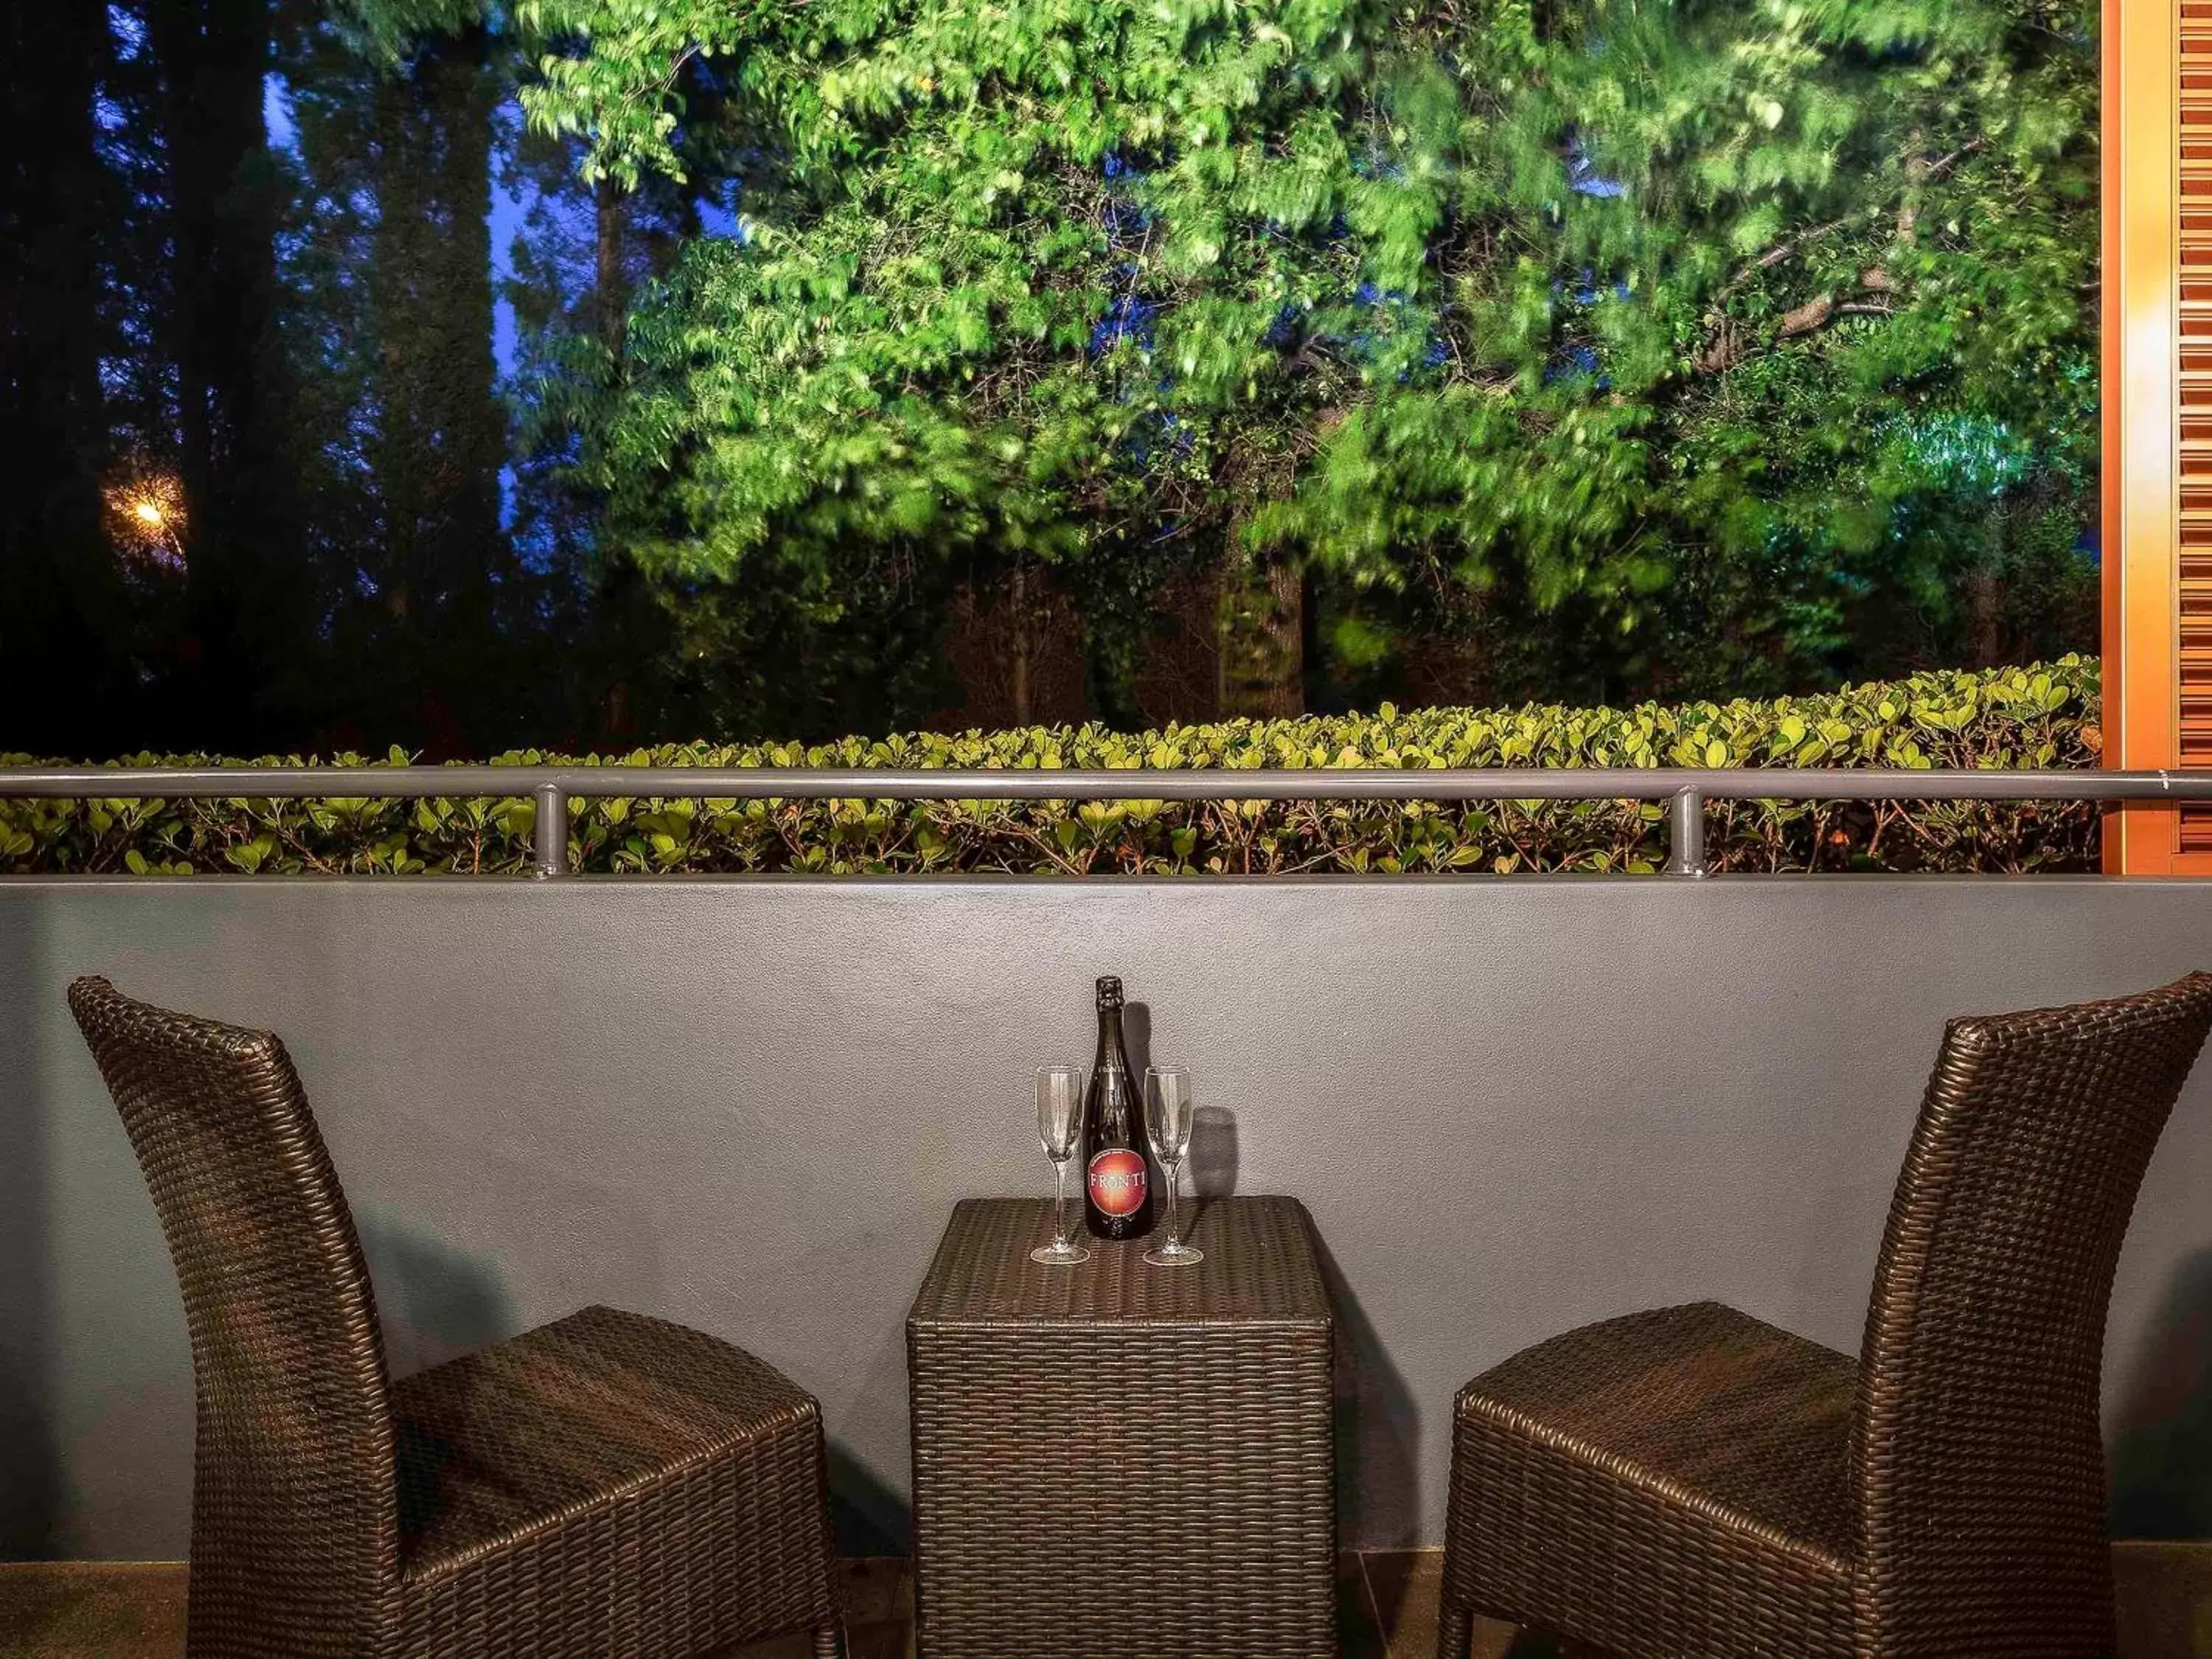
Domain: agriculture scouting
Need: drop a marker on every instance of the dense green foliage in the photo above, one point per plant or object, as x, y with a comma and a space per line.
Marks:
2036, 717
1735, 342
1028, 361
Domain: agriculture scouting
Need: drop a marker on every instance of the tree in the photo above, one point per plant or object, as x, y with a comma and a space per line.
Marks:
1642, 314
257, 436
438, 436
62, 609
435, 629
216, 329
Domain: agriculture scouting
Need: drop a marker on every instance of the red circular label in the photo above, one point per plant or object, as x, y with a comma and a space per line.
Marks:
1117, 1181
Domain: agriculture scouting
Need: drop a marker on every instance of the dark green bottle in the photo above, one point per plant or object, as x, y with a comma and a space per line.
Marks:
1117, 1169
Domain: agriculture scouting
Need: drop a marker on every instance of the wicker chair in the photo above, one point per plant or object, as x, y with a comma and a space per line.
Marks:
1692, 1483
607, 1484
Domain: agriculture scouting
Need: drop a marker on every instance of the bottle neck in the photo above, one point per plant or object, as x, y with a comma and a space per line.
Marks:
1109, 1057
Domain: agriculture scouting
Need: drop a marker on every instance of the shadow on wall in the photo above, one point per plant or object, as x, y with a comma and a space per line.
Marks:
1378, 1425
1213, 1151
2161, 1458
434, 1302
1210, 1165
866, 1516
1137, 1037
30, 1473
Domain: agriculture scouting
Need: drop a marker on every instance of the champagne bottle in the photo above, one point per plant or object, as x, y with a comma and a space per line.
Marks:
1117, 1183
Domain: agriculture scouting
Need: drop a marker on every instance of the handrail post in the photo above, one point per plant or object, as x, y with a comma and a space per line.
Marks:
1685, 834
549, 836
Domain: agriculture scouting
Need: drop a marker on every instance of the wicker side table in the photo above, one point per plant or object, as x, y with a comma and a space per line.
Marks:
1114, 1460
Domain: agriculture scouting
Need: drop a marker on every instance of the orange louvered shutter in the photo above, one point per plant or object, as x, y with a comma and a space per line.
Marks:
2193, 433
2158, 418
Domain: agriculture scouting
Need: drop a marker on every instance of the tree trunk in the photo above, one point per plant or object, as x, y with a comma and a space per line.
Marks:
609, 292
1020, 621
60, 610
439, 433
1262, 631
220, 333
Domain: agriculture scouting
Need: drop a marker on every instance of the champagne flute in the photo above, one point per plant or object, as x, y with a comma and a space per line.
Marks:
1167, 1126
1060, 1126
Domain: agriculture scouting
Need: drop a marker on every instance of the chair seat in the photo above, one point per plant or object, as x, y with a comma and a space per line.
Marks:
1733, 1414
608, 1487
1642, 1482
573, 1416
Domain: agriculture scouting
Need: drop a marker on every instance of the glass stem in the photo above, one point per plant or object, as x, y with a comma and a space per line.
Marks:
1059, 1206
1174, 1238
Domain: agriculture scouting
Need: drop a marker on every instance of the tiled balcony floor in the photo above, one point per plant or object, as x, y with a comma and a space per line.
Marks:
1388, 1604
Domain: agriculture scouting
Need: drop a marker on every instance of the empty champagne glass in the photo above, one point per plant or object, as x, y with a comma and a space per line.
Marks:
1060, 1125
1167, 1126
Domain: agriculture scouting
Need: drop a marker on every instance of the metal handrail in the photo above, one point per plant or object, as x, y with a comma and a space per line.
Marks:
1685, 789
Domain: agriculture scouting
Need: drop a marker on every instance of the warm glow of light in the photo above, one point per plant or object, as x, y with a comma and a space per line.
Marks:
146, 518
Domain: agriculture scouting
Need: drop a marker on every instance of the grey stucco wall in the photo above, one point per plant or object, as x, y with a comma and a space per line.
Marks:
1511, 1106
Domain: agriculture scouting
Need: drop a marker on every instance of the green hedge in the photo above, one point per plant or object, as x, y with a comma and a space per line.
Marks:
2044, 716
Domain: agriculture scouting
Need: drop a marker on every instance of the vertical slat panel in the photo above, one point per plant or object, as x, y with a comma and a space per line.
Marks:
2158, 409
2192, 290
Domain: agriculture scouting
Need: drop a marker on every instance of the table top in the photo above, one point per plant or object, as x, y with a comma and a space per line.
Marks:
1260, 1269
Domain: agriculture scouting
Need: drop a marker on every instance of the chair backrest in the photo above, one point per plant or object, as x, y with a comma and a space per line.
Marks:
1976, 1455
294, 1503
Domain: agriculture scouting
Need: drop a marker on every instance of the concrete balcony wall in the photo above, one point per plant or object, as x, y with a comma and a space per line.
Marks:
1511, 1106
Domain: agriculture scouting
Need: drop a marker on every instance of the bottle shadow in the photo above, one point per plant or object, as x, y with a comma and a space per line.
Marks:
1137, 1032
1209, 1168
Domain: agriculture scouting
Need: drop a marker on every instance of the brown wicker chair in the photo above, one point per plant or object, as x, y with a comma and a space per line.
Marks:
1693, 1484
607, 1484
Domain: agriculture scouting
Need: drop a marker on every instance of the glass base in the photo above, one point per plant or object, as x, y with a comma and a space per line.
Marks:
1053, 1256
1173, 1255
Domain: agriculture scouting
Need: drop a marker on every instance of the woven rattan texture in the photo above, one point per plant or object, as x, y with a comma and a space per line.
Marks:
1114, 1458
609, 1439
1715, 1443
1691, 1483
608, 1486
